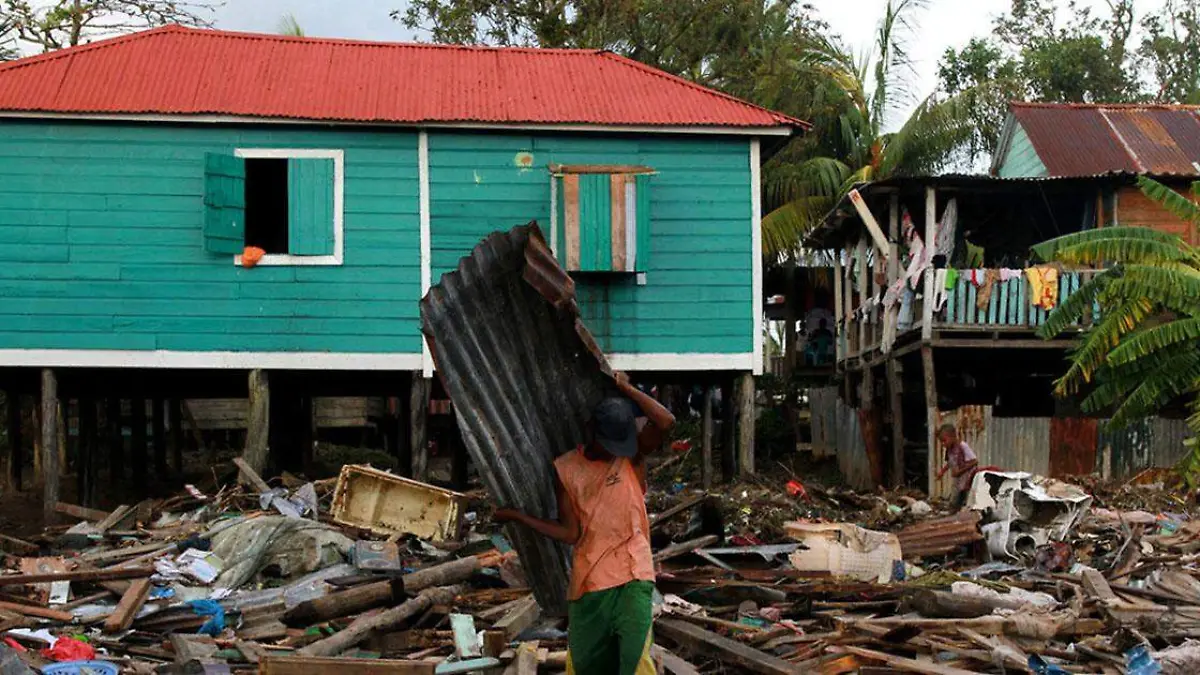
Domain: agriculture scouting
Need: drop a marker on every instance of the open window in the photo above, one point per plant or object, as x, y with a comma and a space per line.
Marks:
602, 217
286, 202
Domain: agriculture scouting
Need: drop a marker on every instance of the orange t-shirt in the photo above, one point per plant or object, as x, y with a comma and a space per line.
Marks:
614, 541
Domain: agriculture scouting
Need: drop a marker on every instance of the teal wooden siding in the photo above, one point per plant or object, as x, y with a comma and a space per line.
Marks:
1009, 305
697, 248
1021, 159
224, 203
102, 245
595, 223
310, 206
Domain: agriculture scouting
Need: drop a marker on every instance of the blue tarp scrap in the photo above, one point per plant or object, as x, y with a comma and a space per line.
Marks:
215, 613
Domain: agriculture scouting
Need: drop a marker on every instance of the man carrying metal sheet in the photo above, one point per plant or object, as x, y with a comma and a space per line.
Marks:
601, 491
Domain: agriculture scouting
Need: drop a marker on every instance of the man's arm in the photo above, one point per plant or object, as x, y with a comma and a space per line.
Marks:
969, 466
566, 529
654, 411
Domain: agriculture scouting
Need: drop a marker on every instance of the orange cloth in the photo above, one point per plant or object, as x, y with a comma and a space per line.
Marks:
251, 255
614, 541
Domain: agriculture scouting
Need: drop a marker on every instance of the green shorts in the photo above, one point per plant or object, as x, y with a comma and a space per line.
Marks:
609, 631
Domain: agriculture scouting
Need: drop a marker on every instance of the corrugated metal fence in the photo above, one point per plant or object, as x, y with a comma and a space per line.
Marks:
836, 430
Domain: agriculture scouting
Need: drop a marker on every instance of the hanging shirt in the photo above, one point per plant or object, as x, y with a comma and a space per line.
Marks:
958, 457
614, 541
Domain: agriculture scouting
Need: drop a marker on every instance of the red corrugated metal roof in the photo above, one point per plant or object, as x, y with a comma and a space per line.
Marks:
1075, 139
184, 71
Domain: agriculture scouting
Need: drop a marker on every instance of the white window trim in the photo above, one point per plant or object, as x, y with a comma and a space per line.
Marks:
339, 179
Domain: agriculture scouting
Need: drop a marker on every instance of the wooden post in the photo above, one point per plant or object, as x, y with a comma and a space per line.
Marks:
116, 440
175, 433
728, 430
895, 407
258, 416
158, 435
931, 419
137, 443
16, 453
860, 256
746, 419
930, 240
418, 417
86, 467
706, 438
50, 468
839, 330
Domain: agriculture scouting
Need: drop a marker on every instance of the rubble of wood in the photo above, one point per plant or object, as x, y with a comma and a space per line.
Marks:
295, 578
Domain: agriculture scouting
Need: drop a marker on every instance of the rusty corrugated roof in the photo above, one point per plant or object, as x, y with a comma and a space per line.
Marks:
184, 71
524, 374
1086, 140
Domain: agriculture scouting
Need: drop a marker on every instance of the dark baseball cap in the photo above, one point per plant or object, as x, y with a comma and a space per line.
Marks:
616, 426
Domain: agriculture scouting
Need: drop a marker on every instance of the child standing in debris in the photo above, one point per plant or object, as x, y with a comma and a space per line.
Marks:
960, 461
601, 490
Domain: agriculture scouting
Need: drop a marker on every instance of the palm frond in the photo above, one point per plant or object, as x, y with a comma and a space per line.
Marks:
930, 137
1117, 320
1049, 250
785, 227
1181, 207
1151, 340
1171, 379
1121, 249
1174, 287
1115, 383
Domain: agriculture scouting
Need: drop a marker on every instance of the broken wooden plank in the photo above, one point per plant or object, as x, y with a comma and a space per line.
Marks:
722, 648
81, 512
466, 639
77, 575
672, 663
685, 505
250, 477
17, 546
526, 661
1096, 586
39, 612
123, 553
114, 518
901, 663
192, 647
685, 547
251, 651
363, 626
519, 618
316, 665
122, 617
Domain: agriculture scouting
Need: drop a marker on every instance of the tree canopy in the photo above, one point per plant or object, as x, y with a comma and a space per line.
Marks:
65, 23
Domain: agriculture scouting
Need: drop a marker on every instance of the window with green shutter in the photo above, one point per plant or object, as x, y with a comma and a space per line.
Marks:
286, 202
602, 218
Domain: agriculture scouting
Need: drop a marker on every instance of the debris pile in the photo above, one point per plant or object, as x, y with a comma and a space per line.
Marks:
373, 571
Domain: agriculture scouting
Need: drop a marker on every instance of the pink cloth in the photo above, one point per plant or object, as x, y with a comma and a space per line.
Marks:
958, 457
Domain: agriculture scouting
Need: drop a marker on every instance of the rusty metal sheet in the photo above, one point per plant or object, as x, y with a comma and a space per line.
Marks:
1073, 442
1087, 140
524, 374
940, 535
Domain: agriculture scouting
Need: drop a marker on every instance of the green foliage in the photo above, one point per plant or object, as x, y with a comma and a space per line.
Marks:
288, 25
1144, 352
65, 23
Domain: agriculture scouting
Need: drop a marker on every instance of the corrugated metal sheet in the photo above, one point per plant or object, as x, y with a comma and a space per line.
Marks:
1085, 140
1011, 443
1156, 442
823, 404
182, 71
524, 375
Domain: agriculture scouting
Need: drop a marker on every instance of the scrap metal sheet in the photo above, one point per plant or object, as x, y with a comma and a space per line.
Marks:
524, 374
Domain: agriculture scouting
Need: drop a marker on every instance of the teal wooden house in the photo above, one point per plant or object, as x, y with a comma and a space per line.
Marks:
143, 176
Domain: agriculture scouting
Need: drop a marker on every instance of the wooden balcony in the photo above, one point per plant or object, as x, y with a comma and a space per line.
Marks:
1007, 318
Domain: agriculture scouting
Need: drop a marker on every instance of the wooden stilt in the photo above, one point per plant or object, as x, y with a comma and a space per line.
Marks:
706, 438
175, 434
258, 425
895, 408
931, 419
746, 419
116, 439
16, 450
418, 416
50, 466
87, 451
728, 431
158, 435
137, 443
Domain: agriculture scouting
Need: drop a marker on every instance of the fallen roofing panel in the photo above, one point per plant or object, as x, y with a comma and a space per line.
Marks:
524, 374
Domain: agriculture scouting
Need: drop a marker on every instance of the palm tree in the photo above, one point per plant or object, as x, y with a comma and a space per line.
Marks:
1144, 351
803, 182
288, 25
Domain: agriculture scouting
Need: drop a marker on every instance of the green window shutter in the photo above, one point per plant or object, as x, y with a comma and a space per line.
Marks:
595, 223
642, 196
310, 206
224, 203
